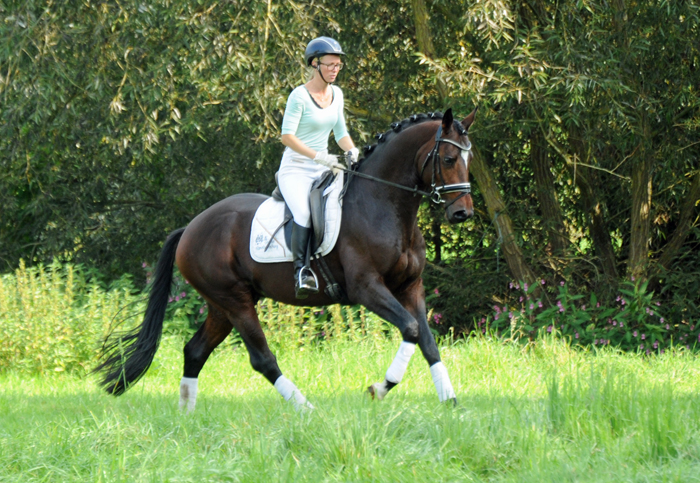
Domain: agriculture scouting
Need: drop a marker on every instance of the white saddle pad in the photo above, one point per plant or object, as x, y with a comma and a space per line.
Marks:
270, 215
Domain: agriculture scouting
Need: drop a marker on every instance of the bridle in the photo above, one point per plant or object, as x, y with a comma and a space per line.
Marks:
436, 192
434, 156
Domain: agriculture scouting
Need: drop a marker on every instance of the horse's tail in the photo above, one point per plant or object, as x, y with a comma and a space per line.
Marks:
126, 356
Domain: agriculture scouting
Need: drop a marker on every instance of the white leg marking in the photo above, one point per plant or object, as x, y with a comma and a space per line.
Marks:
290, 392
188, 393
398, 367
442, 382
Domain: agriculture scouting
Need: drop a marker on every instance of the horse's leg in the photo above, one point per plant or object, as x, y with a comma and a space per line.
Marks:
214, 330
246, 321
369, 290
413, 299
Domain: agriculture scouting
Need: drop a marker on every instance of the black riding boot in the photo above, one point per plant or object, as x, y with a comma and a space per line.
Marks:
304, 281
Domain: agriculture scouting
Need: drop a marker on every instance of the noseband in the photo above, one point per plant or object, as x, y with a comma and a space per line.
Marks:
434, 156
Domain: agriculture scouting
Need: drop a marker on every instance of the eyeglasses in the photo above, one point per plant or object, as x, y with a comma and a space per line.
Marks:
338, 66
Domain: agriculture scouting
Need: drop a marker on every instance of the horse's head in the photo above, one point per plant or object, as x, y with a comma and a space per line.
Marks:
446, 169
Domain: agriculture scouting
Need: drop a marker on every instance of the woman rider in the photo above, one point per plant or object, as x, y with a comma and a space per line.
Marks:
313, 110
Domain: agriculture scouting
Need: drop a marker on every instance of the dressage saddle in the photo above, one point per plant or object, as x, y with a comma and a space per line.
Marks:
317, 203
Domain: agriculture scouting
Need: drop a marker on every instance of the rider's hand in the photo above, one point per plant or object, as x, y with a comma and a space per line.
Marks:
354, 155
329, 160
322, 157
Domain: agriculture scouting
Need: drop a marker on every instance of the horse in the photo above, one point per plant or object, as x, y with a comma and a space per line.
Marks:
378, 261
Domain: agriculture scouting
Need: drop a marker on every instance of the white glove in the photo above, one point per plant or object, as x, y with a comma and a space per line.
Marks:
329, 160
354, 155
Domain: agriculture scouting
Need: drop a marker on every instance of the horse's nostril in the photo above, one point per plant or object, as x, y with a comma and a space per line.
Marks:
460, 215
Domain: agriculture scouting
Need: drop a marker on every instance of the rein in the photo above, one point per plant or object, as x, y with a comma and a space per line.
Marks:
435, 195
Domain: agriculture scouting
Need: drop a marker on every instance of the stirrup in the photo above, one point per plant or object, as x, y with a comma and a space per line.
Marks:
303, 288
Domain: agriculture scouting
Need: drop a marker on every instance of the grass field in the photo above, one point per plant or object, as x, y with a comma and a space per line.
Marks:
545, 413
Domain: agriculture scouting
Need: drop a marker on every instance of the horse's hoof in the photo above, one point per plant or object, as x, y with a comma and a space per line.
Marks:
378, 390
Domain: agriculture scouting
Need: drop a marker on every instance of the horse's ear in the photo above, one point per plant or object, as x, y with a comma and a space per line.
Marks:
467, 121
447, 120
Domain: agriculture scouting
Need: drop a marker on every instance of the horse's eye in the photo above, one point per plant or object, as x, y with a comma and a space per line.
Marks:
449, 160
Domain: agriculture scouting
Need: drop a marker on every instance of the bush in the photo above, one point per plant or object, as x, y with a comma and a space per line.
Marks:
634, 322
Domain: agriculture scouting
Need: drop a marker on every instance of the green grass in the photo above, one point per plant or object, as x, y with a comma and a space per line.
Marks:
543, 413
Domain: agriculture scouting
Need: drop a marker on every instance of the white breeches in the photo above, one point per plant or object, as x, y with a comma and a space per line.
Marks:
295, 177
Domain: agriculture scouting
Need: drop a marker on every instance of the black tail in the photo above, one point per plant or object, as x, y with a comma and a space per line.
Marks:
126, 356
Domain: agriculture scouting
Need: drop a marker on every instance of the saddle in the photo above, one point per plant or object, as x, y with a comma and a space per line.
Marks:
317, 202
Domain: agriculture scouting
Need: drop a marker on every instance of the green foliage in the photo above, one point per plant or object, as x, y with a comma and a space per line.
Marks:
55, 318
634, 323
120, 121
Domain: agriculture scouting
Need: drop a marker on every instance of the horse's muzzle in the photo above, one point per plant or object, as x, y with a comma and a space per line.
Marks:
459, 216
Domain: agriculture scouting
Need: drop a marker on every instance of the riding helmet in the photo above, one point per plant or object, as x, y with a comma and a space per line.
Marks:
321, 46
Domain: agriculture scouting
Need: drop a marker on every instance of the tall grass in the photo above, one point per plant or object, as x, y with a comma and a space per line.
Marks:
542, 411
54, 318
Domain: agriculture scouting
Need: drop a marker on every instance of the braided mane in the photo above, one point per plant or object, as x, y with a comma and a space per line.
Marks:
397, 127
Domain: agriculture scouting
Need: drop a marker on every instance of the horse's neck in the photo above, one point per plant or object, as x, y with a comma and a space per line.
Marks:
396, 163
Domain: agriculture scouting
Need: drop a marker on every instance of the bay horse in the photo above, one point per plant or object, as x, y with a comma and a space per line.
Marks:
378, 261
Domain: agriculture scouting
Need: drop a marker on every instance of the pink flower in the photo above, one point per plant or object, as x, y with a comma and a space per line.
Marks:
644, 336
436, 292
201, 311
144, 265
525, 287
561, 283
542, 281
183, 295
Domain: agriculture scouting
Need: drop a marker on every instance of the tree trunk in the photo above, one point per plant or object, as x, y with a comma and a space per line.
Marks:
640, 219
552, 218
586, 179
519, 268
424, 39
684, 224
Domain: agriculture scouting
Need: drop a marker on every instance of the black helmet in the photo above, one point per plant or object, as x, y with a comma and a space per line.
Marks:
321, 46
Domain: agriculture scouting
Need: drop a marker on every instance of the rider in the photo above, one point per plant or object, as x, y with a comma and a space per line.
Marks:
313, 110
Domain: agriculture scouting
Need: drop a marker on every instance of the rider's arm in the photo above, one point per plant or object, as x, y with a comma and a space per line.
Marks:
346, 143
290, 123
296, 145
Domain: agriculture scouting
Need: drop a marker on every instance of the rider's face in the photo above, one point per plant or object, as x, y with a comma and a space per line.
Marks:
330, 66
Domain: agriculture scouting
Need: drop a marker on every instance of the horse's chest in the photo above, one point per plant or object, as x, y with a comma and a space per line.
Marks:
408, 267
